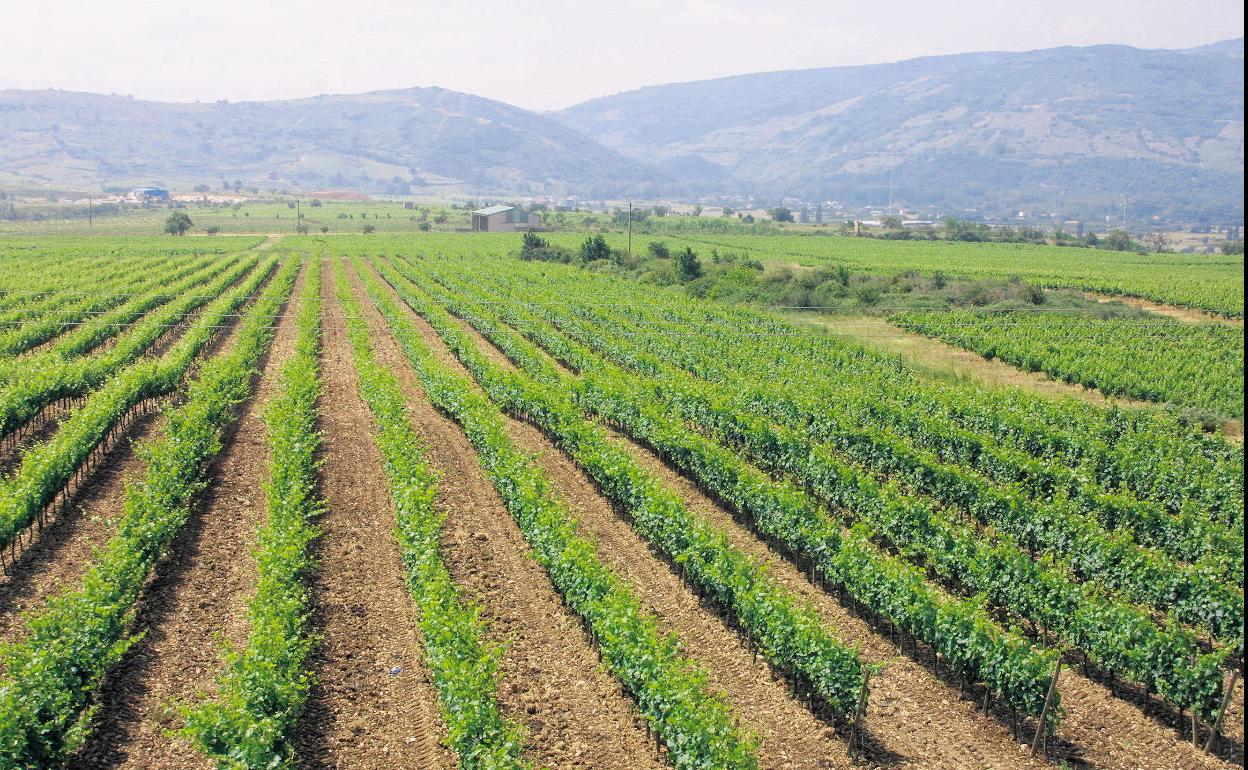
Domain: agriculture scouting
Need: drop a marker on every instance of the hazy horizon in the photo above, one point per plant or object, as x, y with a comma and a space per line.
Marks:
553, 55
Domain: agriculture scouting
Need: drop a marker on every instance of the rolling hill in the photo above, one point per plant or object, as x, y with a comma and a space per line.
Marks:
1071, 130
427, 138
1062, 128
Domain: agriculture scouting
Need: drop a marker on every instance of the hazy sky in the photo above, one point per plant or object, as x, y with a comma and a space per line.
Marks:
540, 54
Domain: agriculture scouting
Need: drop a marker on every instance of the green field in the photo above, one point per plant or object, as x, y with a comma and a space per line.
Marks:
413, 487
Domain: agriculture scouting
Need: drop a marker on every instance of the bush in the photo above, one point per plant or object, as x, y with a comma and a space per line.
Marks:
595, 247
868, 295
687, 265
531, 243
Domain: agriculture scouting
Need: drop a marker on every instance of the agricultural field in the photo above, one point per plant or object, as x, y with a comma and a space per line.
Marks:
409, 500
243, 217
1194, 366
1210, 282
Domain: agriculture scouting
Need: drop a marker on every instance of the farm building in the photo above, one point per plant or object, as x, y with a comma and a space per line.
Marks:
503, 219
148, 194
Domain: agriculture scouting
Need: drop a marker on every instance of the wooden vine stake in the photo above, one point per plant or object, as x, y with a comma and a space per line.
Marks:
1217, 723
1044, 713
860, 710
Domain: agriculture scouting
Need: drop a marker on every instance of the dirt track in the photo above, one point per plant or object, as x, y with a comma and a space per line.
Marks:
573, 712
373, 705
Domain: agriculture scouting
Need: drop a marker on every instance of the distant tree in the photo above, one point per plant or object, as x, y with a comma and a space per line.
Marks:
290, 204
661, 211
178, 223
302, 229
370, 229
728, 212
424, 227
595, 247
1232, 247
959, 230
441, 219
620, 216
201, 188
316, 203
892, 222
688, 267
697, 211
1158, 242
1118, 240
324, 228
748, 218
212, 229
659, 250
781, 214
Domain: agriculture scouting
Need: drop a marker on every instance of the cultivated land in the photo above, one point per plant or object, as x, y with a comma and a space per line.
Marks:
408, 500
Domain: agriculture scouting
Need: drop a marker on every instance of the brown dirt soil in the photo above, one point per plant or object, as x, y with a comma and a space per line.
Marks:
360, 714
1099, 730
1233, 725
36, 430
790, 735
60, 554
196, 600
915, 720
551, 682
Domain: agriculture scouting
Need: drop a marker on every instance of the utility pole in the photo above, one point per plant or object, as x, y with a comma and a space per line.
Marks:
630, 231
298, 214
90, 212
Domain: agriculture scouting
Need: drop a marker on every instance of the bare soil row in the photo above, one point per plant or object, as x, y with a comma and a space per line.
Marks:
374, 705
1099, 730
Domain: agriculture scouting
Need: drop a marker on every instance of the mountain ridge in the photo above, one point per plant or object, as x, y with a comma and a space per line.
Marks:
393, 138
1085, 124
1077, 130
